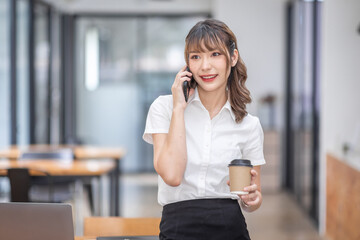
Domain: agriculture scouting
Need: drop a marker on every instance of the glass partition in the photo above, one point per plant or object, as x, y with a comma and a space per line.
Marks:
302, 142
4, 73
22, 72
55, 83
106, 114
137, 60
42, 64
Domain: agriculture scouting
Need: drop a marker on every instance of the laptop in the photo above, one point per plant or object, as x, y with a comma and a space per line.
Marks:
129, 238
36, 221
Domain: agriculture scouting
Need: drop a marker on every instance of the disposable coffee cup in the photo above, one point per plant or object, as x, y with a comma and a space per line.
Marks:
240, 176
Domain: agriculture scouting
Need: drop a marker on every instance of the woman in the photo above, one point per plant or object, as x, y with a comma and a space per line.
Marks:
194, 141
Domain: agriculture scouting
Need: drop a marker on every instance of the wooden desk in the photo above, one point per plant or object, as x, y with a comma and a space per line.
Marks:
118, 226
57, 168
75, 169
342, 199
80, 152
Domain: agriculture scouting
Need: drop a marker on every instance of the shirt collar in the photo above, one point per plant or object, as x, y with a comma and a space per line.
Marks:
228, 107
196, 97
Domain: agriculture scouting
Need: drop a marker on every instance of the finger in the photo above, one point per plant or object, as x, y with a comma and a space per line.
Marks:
228, 182
245, 197
254, 202
251, 188
179, 80
185, 78
249, 197
253, 172
254, 175
182, 77
186, 75
183, 71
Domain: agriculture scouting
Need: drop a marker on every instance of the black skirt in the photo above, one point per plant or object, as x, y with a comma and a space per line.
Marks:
203, 219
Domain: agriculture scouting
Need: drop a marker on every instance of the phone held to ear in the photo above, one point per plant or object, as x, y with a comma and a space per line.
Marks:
187, 86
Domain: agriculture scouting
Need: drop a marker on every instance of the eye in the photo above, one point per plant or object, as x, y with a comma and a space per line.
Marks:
215, 54
194, 57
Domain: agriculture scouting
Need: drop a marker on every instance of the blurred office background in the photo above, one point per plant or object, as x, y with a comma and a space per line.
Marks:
86, 72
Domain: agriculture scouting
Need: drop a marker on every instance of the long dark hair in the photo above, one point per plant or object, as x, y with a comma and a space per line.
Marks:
214, 34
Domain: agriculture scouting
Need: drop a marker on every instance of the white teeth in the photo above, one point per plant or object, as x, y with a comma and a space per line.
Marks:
209, 77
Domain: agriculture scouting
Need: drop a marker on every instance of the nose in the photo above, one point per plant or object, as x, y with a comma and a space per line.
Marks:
205, 64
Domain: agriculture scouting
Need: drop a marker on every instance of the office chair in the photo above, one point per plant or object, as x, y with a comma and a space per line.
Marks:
65, 154
61, 185
20, 184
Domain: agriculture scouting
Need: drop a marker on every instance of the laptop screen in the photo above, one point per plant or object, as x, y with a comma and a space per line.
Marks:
36, 221
129, 238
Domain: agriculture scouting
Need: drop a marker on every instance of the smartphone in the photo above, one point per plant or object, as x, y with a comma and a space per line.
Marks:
187, 85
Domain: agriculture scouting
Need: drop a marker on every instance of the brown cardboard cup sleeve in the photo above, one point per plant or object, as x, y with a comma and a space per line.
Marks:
240, 176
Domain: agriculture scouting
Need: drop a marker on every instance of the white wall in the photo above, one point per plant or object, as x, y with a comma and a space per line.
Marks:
260, 30
341, 72
340, 86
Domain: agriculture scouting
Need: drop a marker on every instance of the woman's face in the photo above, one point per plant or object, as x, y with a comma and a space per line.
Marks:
210, 69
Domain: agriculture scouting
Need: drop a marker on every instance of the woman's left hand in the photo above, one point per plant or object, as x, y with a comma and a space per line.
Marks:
253, 199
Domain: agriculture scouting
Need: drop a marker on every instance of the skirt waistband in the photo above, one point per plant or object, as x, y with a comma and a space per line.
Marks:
201, 203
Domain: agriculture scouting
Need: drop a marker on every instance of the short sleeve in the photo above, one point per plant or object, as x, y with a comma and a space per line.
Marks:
253, 149
158, 118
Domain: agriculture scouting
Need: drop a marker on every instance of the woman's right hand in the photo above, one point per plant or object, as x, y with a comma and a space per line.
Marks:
170, 153
177, 90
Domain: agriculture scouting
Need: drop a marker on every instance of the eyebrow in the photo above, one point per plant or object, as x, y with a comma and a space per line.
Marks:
208, 50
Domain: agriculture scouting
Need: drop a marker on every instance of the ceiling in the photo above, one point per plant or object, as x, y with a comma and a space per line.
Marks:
132, 6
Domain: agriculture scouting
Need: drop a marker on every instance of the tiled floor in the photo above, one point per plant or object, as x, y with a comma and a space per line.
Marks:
278, 218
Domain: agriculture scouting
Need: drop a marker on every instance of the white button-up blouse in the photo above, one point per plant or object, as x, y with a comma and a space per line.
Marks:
211, 145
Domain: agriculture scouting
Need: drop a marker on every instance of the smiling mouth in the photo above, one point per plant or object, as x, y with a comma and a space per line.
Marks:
208, 78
